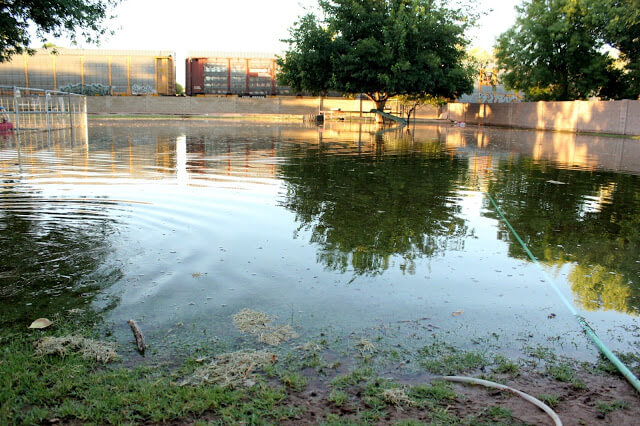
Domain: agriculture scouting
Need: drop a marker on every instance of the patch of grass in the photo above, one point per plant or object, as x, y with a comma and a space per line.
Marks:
631, 360
437, 391
356, 376
35, 388
455, 362
294, 381
497, 412
608, 407
561, 372
542, 353
338, 397
505, 366
552, 400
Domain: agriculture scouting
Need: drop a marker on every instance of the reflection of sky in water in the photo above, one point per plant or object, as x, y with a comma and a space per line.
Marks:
342, 231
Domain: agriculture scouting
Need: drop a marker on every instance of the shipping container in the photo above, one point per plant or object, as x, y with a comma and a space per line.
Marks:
243, 74
93, 71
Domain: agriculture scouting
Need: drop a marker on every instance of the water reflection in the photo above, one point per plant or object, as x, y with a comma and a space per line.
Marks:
239, 214
362, 210
53, 253
586, 219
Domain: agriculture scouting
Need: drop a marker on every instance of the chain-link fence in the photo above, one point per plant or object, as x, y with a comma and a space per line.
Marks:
41, 110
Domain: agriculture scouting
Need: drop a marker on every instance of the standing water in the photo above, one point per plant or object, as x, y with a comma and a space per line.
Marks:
341, 232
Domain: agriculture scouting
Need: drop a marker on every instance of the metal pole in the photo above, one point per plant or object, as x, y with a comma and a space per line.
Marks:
47, 97
16, 95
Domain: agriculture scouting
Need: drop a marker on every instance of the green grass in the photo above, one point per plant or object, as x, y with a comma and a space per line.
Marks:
36, 388
551, 400
506, 366
608, 407
455, 362
338, 397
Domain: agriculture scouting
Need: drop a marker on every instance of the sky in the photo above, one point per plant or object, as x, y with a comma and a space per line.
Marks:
238, 26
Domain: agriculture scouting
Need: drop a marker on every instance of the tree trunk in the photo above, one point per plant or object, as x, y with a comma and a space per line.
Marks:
380, 107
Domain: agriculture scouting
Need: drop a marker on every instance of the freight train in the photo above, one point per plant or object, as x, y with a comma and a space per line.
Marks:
232, 74
93, 71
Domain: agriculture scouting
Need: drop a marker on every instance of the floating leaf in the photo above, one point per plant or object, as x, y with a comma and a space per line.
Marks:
457, 313
40, 323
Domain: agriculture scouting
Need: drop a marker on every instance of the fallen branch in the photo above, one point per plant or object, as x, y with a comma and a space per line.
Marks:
138, 335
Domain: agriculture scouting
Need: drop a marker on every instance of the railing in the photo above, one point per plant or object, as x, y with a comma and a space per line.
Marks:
42, 110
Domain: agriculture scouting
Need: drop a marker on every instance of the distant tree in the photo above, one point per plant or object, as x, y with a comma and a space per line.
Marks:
553, 52
179, 89
617, 23
381, 48
55, 18
412, 102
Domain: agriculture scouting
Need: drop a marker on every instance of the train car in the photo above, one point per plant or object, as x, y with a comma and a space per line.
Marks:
243, 74
93, 71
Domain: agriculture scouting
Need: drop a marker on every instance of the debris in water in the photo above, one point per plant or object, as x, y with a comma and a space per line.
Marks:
556, 182
258, 323
90, 349
40, 323
457, 313
137, 333
365, 346
234, 369
252, 322
310, 347
278, 335
397, 397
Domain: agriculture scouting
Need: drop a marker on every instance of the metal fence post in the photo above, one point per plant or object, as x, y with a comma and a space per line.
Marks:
16, 107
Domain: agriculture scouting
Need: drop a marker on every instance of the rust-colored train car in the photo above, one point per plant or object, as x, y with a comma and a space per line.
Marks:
243, 74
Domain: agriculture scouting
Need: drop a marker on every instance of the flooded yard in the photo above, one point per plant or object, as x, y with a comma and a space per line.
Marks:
343, 233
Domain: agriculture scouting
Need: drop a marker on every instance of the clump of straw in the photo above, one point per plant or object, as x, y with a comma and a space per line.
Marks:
89, 349
233, 369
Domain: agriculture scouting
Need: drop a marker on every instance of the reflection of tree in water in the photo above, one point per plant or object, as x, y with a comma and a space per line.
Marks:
593, 221
362, 210
49, 263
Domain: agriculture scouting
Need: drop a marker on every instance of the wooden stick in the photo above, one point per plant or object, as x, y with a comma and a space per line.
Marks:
138, 335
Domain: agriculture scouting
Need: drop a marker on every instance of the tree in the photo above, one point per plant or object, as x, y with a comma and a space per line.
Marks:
553, 52
381, 48
50, 18
617, 23
411, 102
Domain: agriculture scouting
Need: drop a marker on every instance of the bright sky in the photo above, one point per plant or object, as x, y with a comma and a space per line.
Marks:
238, 26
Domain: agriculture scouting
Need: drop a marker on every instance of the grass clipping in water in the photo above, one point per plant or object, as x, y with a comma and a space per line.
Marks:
89, 349
232, 369
258, 323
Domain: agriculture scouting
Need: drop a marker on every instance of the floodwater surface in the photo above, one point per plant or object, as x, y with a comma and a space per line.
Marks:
342, 232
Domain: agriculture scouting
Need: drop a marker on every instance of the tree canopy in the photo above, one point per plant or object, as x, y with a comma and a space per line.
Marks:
381, 48
557, 49
49, 18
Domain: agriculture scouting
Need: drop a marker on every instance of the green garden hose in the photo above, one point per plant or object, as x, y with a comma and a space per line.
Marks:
583, 323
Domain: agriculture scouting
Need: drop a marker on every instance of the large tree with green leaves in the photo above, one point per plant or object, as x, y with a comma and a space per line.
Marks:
552, 52
381, 48
55, 18
617, 23
557, 49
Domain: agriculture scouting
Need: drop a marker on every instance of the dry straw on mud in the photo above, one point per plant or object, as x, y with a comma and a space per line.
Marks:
89, 349
397, 397
252, 322
278, 335
234, 369
258, 323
